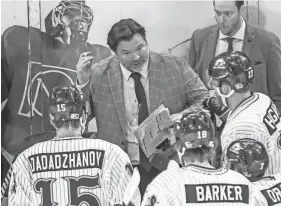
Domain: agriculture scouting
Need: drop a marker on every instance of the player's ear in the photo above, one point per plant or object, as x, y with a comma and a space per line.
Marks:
242, 10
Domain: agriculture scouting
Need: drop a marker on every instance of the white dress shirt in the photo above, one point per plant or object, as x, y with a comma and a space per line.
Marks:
222, 44
132, 108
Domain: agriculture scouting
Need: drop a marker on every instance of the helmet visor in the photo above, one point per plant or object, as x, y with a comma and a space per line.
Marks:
218, 72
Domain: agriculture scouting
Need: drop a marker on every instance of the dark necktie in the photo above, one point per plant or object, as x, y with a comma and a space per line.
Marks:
230, 43
140, 93
143, 114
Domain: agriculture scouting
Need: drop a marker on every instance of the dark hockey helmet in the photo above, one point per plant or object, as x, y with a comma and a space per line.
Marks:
66, 103
80, 18
195, 130
234, 67
248, 157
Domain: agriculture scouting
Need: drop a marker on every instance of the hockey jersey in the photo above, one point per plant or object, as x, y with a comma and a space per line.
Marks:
73, 171
270, 187
257, 118
196, 185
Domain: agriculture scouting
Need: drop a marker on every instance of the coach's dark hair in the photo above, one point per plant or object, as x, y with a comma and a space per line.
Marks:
238, 4
125, 29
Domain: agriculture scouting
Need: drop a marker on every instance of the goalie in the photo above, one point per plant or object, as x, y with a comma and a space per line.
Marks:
28, 80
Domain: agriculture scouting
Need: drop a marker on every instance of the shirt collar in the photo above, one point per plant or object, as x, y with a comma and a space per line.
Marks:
238, 35
127, 73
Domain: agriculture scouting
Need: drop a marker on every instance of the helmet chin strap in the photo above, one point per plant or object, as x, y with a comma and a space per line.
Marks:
82, 125
223, 96
180, 154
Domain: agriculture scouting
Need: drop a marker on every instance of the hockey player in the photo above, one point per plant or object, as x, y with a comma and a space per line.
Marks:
70, 169
249, 157
197, 182
252, 115
28, 80
54, 55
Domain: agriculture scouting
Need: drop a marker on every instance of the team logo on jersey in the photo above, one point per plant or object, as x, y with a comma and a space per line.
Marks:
129, 169
152, 201
40, 80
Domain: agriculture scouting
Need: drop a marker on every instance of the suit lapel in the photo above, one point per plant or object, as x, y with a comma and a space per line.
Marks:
248, 40
211, 50
155, 74
116, 85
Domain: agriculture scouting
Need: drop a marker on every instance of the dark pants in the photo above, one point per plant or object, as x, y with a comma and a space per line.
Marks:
146, 178
217, 160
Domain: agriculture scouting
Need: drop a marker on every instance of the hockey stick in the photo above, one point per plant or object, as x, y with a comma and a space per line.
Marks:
34, 20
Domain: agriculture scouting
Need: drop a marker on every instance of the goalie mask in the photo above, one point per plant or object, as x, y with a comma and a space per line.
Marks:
231, 68
248, 157
73, 14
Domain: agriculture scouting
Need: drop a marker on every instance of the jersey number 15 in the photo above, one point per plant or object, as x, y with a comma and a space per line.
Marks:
45, 188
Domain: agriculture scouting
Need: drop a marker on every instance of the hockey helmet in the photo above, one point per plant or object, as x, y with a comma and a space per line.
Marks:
66, 103
195, 130
248, 157
234, 67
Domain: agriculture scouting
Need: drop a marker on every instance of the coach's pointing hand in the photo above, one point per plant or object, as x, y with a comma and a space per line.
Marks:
83, 67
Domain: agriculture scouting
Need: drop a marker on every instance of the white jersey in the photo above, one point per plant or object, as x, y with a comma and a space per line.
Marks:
257, 118
270, 188
196, 186
71, 171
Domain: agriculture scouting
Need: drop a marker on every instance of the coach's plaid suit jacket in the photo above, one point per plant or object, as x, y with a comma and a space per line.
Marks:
171, 82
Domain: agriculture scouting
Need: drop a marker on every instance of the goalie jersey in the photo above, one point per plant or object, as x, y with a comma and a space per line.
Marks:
72, 171
195, 185
26, 84
257, 118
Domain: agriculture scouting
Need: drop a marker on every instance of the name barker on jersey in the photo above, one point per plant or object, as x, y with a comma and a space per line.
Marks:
206, 193
82, 159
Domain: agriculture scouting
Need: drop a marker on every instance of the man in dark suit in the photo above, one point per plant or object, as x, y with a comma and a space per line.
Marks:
232, 32
129, 86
